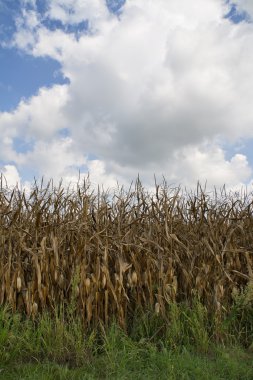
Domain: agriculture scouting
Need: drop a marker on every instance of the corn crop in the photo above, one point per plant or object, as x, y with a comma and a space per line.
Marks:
117, 252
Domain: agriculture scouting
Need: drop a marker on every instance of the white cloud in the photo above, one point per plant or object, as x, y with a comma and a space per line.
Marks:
153, 91
76, 11
210, 164
98, 175
39, 117
53, 159
10, 176
186, 166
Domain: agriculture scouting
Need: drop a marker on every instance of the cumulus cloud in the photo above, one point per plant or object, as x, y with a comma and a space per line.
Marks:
39, 117
211, 165
186, 166
153, 90
57, 156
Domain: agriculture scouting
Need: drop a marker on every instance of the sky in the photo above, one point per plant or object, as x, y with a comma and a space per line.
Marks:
122, 88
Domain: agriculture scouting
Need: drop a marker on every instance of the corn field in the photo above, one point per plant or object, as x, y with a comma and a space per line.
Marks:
113, 253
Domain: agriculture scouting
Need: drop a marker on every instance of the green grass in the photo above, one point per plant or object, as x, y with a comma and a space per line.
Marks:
57, 347
141, 363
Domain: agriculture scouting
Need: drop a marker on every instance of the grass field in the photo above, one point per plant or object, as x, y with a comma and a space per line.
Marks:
51, 349
223, 364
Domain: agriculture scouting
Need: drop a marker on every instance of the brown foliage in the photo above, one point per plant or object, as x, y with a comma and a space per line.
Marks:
126, 250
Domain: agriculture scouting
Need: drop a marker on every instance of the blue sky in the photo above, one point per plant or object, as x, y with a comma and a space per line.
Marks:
104, 87
21, 74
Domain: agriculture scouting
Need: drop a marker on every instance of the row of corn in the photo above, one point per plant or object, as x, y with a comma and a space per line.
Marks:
112, 253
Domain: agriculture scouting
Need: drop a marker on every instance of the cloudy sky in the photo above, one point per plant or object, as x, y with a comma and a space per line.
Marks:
120, 88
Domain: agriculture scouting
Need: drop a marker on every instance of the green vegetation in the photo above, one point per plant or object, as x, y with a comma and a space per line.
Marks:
148, 364
57, 347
